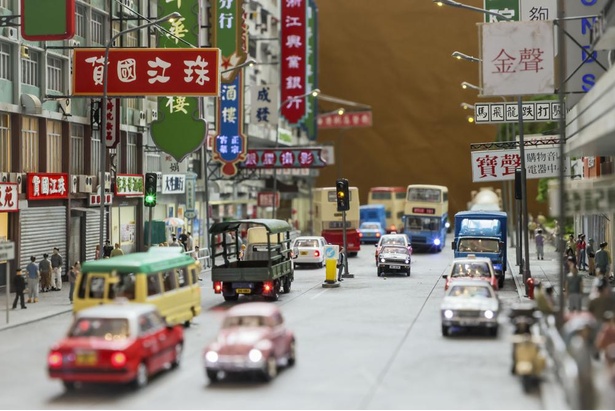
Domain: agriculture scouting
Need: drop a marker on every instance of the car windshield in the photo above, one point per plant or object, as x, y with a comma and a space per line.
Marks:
244, 321
467, 291
478, 245
395, 250
107, 328
468, 269
306, 243
393, 241
372, 226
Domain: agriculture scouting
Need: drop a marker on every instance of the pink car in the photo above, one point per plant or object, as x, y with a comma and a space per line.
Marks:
253, 338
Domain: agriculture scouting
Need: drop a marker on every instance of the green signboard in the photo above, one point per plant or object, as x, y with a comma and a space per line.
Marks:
47, 19
310, 122
508, 8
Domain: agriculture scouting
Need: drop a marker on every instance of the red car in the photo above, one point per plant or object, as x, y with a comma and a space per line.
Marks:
116, 343
253, 338
471, 267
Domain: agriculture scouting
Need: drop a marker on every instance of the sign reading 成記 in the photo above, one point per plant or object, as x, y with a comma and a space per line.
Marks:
533, 111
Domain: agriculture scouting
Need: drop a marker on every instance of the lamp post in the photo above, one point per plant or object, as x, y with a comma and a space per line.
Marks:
103, 142
472, 8
313, 93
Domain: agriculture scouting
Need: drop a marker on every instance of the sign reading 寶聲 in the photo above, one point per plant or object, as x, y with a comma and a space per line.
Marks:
500, 165
517, 58
147, 71
9, 197
533, 111
296, 157
293, 60
345, 120
173, 183
264, 108
129, 185
46, 186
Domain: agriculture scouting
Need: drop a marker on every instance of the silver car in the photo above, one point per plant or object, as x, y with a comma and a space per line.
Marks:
470, 303
394, 259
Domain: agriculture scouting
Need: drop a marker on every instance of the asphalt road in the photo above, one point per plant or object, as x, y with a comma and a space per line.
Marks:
373, 343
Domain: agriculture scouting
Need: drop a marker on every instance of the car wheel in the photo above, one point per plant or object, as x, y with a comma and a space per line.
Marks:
445, 331
231, 297
179, 348
212, 375
271, 369
69, 385
142, 377
287, 285
408, 272
292, 355
321, 264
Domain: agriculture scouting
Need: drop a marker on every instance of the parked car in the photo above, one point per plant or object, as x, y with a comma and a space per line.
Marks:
309, 250
115, 343
253, 338
392, 239
473, 268
395, 259
371, 232
469, 303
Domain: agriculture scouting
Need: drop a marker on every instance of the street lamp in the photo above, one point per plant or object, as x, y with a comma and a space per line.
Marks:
468, 7
250, 62
467, 106
313, 93
103, 142
461, 56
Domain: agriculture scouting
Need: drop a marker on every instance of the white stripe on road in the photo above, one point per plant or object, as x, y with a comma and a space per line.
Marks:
318, 295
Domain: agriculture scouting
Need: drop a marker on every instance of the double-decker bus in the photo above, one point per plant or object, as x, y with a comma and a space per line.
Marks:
328, 221
393, 200
426, 216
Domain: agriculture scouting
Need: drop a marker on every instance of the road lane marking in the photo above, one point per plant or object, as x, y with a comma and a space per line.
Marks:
317, 295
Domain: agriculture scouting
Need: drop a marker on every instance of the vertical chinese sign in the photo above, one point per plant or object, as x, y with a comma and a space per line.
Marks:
293, 60
228, 33
112, 132
181, 112
264, 107
311, 126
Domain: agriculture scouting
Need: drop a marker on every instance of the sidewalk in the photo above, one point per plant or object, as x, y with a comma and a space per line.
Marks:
547, 271
49, 304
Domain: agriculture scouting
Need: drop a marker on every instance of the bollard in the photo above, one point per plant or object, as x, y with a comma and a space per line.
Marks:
331, 257
530, 288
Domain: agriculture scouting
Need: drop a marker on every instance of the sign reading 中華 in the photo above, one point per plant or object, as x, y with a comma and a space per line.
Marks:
533, 111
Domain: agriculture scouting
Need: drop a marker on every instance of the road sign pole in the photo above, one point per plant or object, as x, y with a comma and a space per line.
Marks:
346, 273
8, 289
149, 230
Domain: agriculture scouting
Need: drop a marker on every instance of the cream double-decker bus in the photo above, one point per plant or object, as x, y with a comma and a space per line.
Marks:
426, 216
393, 199
327, 221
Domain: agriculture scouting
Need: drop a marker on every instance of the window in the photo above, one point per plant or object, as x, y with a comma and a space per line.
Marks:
77, 132
5, 61
98, 28
80, 28
152, 161
153, 285
110, 329
29, 70
95, 152
170, 280
5, 4
5, 143
97, 287
125, 287
131, 153
54, 146
29, 144
55, 75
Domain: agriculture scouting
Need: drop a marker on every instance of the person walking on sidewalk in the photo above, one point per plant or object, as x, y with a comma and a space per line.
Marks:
574, 287
591, 254
107, 248
45, 268
72, 278
581, 246
117, 250
540, 244
56, 269
603, 260
33, 278
20, 286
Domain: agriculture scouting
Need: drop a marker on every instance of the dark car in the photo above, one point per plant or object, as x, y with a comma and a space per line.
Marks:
394, 259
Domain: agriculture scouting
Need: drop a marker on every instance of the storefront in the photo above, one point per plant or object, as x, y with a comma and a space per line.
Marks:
126, 219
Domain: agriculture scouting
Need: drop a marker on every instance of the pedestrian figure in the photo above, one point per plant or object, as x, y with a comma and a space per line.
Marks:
174, 242
574, 287
33, 278
540, 244
107, 248
603, 302
591, 254
190, 242
183, 241
45, 268
581, 246
97, 252
571, 247
341, 264
542, 302
603, 260
117, 250
56, 270
72, 278
20, 286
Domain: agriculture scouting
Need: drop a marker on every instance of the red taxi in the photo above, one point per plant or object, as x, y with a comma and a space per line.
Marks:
471, 267
115, 343
253, 338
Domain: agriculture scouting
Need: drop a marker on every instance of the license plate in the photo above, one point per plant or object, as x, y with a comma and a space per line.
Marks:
243, 290
395, 267
86, 358
303, 253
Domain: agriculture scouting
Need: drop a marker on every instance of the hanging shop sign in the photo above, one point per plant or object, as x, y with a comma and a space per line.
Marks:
129, 185
346, 120
173, 183
46, 186
9, 197
296, 157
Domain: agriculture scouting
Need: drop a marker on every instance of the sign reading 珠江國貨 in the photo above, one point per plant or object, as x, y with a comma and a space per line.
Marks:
129, 185
293, 60
533, 111
46, 186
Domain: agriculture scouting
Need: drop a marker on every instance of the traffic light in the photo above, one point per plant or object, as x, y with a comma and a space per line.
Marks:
342, 194
151, 181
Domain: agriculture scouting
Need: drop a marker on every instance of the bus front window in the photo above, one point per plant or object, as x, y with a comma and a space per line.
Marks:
423, 223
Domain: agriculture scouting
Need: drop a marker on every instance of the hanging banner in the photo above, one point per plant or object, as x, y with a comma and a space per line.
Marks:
310, 123
230, 145
112, 132
228, 33
293, 60
264, 108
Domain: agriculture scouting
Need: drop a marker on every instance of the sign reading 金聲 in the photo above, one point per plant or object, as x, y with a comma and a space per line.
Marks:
147, 71
129, 185
46, 186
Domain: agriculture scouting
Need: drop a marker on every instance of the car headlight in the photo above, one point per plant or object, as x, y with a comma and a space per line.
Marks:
211, 356
407, 261
436, 241
382, 260
488, 314
448, 314
255, 355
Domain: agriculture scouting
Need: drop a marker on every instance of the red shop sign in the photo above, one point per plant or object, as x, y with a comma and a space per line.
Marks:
46, 186
293, 60
9, 197
147, 71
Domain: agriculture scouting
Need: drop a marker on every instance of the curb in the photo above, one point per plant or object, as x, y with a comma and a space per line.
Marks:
33, 320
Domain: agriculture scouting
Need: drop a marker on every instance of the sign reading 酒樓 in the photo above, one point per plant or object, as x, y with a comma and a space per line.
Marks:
533, 111
46, 186
129, 185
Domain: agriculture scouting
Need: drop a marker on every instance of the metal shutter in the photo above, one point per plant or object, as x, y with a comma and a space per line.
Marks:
92, 230
42, 229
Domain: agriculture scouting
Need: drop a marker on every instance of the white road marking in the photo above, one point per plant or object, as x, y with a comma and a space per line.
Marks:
318, 295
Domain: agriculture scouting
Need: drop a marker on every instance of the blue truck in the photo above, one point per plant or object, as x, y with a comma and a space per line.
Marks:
482, 233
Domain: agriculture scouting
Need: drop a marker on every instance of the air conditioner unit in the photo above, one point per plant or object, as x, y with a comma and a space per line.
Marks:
65, 105
74, 184
152, 115
127, 8
107, 181
86, 183
18, 178
11, 32
139, 118
74, 43
4, 177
